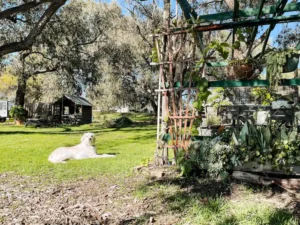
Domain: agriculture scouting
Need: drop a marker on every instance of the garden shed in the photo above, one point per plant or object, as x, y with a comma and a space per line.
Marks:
71, 108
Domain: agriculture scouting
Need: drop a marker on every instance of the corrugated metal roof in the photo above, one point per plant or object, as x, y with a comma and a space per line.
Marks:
78, 100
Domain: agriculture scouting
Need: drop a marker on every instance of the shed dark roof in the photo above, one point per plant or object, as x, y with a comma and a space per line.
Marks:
78, 100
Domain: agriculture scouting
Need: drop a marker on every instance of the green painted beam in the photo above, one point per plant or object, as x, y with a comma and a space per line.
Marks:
252, 83
245, 23
241, 83
291, 7
247, 13
190, 15
216, 64
187, 9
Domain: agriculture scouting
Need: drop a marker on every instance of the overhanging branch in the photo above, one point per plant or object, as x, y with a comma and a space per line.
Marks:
22, 8
35, 31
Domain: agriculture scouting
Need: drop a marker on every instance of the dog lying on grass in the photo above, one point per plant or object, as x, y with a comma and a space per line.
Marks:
84, 150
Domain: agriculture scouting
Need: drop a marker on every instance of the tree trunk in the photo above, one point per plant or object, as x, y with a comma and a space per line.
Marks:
21, 90
154, 106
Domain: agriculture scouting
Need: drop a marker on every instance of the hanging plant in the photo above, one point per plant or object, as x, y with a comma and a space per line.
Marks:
243, 69
278, 62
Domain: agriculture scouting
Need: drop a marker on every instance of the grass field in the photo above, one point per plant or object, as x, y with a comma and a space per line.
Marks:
25, 150
172, 200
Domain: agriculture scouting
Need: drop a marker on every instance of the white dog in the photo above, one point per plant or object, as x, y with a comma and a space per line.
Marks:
84, 150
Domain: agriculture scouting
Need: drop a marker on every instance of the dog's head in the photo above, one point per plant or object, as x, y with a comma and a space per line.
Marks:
88, 139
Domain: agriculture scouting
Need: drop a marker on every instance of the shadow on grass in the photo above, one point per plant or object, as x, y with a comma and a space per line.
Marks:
209, 198
68, 130
278, 217
230, 220
202, 187
282, 216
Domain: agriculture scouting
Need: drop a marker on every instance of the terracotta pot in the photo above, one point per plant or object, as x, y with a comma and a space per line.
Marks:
19, 122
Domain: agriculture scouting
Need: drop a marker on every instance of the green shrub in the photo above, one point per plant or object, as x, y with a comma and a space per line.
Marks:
17, 112
280, 148
120, 122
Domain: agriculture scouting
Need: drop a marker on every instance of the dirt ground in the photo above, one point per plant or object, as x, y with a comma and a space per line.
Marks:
107, 200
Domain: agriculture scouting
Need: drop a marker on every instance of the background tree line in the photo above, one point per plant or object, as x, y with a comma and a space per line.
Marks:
85, 47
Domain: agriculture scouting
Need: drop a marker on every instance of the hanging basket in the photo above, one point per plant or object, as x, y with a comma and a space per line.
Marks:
241, 71
291, 63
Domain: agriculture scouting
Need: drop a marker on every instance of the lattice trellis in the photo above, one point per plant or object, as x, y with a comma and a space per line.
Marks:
177, 63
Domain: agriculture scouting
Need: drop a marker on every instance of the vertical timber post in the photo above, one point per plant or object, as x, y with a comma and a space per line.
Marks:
166, 19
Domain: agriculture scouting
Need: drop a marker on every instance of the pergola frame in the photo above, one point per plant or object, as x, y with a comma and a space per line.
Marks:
178, 131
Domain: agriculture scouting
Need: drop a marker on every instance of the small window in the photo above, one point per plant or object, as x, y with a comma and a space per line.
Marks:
78, 110
66, 110
56, 110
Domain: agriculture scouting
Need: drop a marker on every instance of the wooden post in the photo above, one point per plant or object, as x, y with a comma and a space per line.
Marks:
62, 107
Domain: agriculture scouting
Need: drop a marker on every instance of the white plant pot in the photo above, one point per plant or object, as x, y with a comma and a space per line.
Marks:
262, 117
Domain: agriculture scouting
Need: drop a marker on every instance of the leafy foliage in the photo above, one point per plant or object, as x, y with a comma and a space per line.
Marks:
127, 76
17, 112
289, 37
221, 47
275, 61
263, 95
213, 120
8, 84
280, 148
203, 93
219, 97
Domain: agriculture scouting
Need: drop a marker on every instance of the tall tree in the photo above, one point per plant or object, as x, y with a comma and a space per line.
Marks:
70, 47
128, 60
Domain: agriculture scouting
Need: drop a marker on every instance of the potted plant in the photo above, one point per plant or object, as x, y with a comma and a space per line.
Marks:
289, 38
278, 62
18, 113
243, 69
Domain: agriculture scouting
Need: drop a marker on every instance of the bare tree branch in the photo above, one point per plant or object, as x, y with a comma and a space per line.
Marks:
37, 53
48, 70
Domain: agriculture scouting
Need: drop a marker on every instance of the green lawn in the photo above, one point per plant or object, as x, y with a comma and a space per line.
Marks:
25, 150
